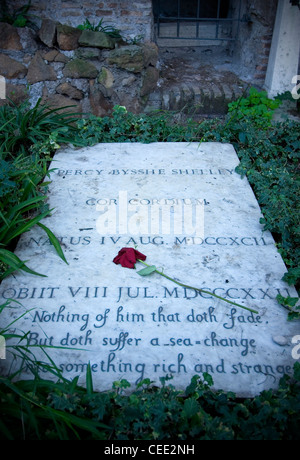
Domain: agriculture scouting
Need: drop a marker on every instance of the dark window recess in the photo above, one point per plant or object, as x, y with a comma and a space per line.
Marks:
197, 19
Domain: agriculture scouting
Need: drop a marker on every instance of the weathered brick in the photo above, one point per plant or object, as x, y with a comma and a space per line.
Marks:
39, 7
131, 13
259, 77
267, 37
264, 60
92, 5
262, 68
266, 47
71, 13
70, 5
103, 13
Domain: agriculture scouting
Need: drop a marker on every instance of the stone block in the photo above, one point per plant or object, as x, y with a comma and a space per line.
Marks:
28, 38
10, 68
106, 78
58, 101
9, 37
87, 53
55, 56
150, 51
149, 82
38, 70
67, 37
47, 32
134, 58
68, 90
96, 39
80, 68
129, 57
228, 94
100, 105
16, 93
128, 81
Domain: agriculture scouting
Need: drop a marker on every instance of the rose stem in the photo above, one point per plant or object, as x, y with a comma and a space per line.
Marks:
198, 289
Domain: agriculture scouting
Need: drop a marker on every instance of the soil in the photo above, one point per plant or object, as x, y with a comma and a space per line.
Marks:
198, 65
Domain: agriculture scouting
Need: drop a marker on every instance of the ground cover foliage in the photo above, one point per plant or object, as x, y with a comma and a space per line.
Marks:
61, 409
28, 138
42, 409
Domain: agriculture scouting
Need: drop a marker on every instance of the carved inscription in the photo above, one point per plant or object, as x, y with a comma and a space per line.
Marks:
92, 311
210, 333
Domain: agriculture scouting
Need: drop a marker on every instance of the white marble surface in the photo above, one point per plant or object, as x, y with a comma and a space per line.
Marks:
134, 327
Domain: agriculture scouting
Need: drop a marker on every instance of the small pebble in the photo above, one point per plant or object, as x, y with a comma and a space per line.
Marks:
280, 340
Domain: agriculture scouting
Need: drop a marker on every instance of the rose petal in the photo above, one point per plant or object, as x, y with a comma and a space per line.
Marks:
127, 257
139, 255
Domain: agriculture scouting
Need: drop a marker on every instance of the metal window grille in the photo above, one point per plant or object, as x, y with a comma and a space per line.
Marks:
194, 26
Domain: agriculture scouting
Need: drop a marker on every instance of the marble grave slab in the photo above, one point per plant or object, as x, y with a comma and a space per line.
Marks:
184, 207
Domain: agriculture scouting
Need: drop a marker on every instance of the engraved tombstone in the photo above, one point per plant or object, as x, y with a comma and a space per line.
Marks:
185, 208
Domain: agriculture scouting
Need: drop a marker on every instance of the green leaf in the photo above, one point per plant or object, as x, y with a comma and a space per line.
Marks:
54, 241
208, 378
190, 407
13, 261
89, 380
147, 270
292, 276
20, 21
292, 315
297, 371
26, 226
27, 205
5, 432
287, 301
242, 137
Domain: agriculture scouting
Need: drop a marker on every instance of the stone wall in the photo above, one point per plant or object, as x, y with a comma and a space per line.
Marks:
62, 68
66, 66
132, 18
255, 36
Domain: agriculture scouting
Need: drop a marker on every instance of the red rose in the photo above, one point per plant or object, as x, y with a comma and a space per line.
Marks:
127, 257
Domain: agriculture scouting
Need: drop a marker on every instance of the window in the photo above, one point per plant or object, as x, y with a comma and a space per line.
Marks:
197, 19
